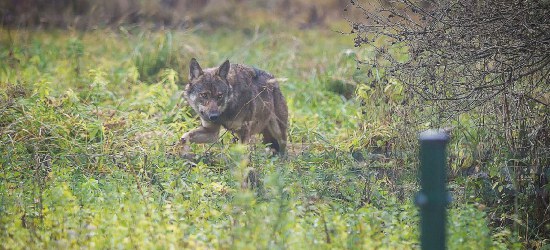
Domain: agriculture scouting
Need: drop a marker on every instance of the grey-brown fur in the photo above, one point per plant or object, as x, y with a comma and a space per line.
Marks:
242, 99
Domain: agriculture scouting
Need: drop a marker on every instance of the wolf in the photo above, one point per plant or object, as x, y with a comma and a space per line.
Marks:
242, 99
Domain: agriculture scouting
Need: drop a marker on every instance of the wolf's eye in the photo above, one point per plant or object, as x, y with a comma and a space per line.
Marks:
203, 95
220, 96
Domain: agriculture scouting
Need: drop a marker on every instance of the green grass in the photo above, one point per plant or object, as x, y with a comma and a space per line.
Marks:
88, 136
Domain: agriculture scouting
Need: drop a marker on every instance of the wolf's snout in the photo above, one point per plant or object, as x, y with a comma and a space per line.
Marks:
214, 116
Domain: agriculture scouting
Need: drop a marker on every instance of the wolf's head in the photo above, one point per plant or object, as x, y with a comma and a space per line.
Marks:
208, 91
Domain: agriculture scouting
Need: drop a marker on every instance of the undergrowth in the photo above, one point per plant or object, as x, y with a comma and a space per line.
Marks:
89, 129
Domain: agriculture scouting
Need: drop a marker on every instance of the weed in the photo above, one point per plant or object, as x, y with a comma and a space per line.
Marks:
89, 154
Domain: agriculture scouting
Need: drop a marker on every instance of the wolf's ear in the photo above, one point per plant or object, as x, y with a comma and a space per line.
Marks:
223, 70
194, 69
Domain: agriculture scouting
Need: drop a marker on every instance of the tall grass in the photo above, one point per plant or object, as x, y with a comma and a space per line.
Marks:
88, 136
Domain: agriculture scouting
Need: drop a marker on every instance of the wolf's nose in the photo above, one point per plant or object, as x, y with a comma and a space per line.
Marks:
213, 117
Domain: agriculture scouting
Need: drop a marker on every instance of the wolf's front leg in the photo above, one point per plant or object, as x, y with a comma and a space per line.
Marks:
206, 133
244, 133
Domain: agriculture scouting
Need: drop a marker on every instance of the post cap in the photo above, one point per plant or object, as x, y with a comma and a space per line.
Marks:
433, 135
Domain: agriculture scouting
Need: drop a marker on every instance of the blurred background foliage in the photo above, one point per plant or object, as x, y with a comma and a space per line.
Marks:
86, 14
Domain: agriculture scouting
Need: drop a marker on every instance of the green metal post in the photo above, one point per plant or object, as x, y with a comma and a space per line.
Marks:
433, 197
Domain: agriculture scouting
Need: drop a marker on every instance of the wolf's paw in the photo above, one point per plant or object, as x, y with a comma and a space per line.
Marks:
184, 149
184, 138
